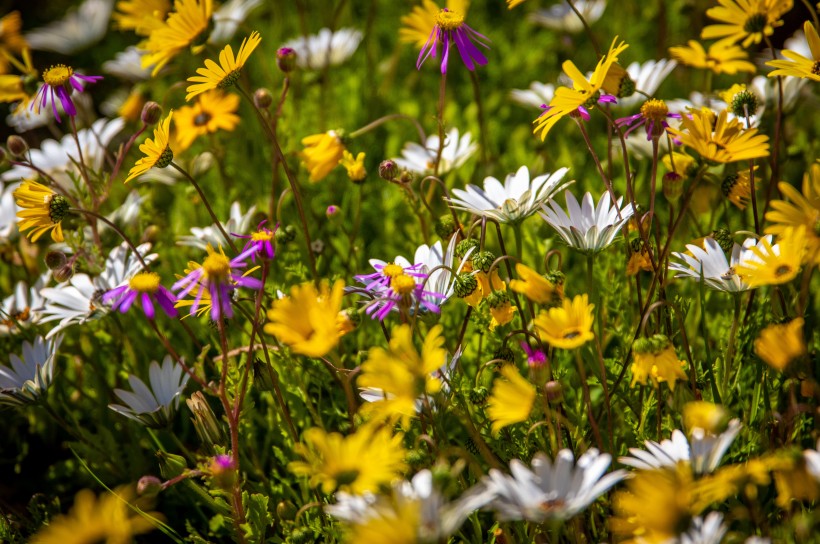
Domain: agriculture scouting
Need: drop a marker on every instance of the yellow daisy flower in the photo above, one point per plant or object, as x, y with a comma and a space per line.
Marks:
584, 93
655, 359
307, 319
568, 326
183, 26
358, 463
746, 20
722, 140
106, 518
501, 310
416, 26
778, 345
514, 3
321, 154
158, 152
43, 210
213, 111
131, 108
400, 375
141, 16
354, 166
708, 416
11, 41
401, 524
773, 266
13, 86
798, 65
536, 287
511, 400
800, 209
721, 59
224, 74
738, 188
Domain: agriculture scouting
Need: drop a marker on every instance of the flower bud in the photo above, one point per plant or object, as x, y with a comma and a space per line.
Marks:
149, 486
64, 273
672, 184
223, 471
744, 103
204, 420
151, 113
2, 155
262, 98
388, 170
285, 234
464, 246
286, 59
262, 375
171, 465
505, 353
286, 510
55, 260
17, 146
554, 391
405, 177
332, 210
446, 226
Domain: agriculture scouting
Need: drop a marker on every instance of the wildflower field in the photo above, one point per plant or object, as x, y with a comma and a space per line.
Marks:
374, 271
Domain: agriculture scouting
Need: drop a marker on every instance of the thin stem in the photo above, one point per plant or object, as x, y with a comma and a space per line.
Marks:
482, 121
382, 120
83, 170
588, 398
587, 29
215, 219
116, 229
177, 359
730, 349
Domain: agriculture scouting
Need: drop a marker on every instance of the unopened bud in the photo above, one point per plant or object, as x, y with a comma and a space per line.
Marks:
170, 464
149, 486
744, 103
64, 273
285, 234
388, 170
405, 177
17, 146
554, 391
151, 113
446, 226
55, 260
262, 98
223, 471
204, 420
672, 184
286, 59
332, 210
286, 510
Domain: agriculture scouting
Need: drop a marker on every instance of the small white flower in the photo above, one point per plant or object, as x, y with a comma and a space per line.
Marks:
515, 200
238, 223
154, 406
29, 377
558, 490
8, 211
228, 17
709, 530
327, 48
78, 30
702, 450
21, 309
647, 77
536, 96
587, 228
562, 17
710, 262
128, 65
422, 158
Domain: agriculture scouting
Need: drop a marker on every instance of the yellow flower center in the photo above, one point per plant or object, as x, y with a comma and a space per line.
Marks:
403, 285
262, 236
202, 119
392, 270
216, 266
449, 20
654, 110
145, 282
58, 75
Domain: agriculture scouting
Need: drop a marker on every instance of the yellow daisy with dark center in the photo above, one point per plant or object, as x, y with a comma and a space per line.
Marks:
158, 151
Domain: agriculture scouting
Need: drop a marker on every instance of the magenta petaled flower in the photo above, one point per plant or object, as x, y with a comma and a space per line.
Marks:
146, 288
535, 357
583, 112
218, 277
397, 287
59, 81
264, 240
450, 28
653, 116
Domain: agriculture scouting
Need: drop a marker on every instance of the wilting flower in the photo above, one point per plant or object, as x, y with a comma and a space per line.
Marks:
421, 159
655, 359
213, 111
146, 288
584, 93
28, 377
219, 276
306, 320
222, 75
722, 58
158, 152
154, 406
43, 210
537, 288
653, 116
450, 29
358, 463
587, 228
552, 490
773, 265
567, 326
511, 400
57, 83
721, 140
326, 48
515, 200
798, 65
800, 209
182, 27
322, 153
746, 20
779, 345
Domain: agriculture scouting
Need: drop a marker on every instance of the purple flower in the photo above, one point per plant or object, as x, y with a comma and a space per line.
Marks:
583, 112
216, 279
263, 240
449, 28
535, 357
59, 80
397, 287
653, 116
144, 286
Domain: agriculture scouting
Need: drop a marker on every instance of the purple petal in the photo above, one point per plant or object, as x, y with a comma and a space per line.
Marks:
147, 307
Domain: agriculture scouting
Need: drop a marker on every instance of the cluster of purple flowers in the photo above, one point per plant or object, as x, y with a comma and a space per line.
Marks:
397, 286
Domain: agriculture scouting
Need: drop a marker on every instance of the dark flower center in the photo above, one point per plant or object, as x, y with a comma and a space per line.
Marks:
57, 208
202, 119
815, 68
756, 23
165, 158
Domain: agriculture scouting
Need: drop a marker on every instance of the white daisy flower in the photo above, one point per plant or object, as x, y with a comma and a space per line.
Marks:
155, 406
515, 200
238, 223
536, 96
708, 530
58, 158
766, 89
556, 490
8, 212
327, 48
23, 118
710, 262
21, 309
127, 65
29, 377
79, 29
421, 159
703, 450
812, 459
561, 17
430, 258
228, 17
647, 77
587, 228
